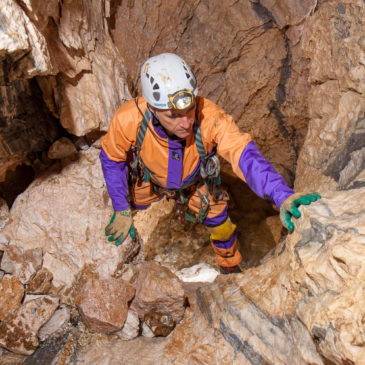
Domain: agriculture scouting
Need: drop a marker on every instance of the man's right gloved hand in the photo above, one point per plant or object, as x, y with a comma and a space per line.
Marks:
120, 225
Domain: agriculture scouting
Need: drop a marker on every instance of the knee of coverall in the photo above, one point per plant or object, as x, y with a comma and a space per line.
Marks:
223, 234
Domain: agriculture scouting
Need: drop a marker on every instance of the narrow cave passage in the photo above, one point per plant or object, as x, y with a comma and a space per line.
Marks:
179, 246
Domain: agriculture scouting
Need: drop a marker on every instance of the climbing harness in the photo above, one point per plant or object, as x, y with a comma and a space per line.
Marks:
207, 176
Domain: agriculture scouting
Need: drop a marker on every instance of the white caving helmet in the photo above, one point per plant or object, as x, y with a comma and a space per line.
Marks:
167, 82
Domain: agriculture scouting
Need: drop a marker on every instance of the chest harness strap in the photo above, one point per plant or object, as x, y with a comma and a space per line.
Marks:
207, 175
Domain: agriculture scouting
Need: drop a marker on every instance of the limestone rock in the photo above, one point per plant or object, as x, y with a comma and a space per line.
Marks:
106, 352
19, 332
4, 213
9, 358
61, 148
3, 242
11, 295
192, 342
103, 304
334, 151
158, 290
57, 322
131, 326
147, 221
40, 283
83, 76
197, 273
22, 263
315, 278
68, 225
24, 43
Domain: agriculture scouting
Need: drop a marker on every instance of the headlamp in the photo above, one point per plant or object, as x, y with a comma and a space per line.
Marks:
181, 99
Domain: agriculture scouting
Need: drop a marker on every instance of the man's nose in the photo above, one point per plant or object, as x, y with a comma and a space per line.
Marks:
186, 122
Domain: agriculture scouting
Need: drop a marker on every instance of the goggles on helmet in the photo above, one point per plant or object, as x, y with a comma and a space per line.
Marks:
181, 99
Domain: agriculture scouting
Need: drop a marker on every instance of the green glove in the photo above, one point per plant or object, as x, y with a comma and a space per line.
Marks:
290, 207
119, 226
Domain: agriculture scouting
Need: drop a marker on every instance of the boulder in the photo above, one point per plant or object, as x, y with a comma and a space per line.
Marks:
18, 333
22, 263
61, 148
73, 208
159, 291
103, 304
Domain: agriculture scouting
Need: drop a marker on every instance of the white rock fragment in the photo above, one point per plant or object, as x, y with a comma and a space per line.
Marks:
202, 273
55, 324
146, 331
131, 326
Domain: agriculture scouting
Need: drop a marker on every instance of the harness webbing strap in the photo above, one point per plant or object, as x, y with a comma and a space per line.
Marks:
143, 128
199, 143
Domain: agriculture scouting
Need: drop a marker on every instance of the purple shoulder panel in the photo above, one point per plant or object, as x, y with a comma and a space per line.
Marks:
116, 179
261, 176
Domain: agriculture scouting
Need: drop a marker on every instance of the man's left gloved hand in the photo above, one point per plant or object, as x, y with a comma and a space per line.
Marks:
290, 207
120, 225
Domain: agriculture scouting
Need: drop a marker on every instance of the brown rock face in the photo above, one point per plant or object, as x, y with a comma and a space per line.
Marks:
158, 290
103, 304
333, 155
247, 67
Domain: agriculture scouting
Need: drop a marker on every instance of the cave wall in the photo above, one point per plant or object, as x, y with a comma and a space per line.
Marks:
333, 155
76, 61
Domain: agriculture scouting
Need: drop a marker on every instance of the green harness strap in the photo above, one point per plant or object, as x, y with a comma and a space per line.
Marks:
204, 201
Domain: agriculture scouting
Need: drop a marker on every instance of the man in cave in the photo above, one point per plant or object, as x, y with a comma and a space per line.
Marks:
165, 144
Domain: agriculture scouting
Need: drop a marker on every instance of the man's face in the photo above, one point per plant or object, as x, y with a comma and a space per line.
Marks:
177, 123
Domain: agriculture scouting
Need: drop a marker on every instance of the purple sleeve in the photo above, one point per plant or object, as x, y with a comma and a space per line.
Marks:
116, 179
261, 176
